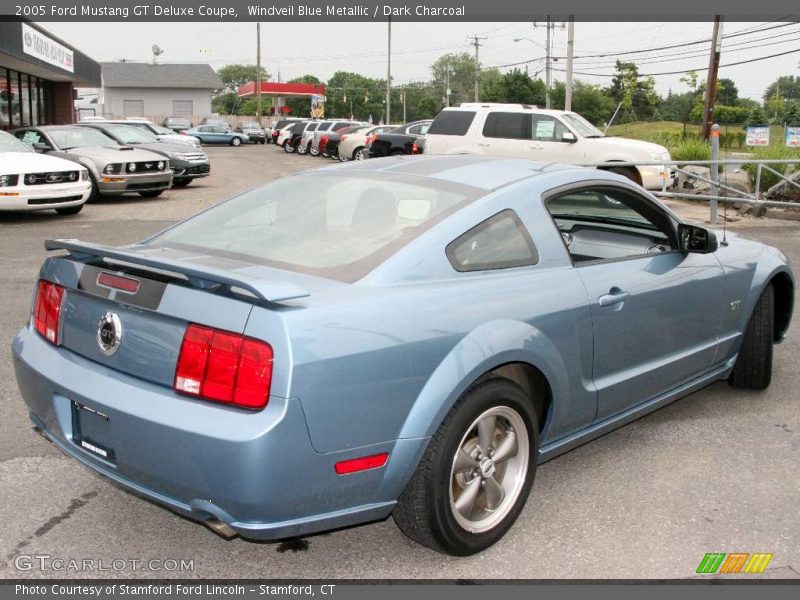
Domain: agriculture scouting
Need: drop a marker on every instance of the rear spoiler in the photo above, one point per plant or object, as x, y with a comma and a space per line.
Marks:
269, 291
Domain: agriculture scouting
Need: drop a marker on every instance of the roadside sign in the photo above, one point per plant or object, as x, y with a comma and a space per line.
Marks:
757, 136
793, 137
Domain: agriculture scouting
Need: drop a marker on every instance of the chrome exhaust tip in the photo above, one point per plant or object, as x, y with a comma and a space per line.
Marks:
221, 529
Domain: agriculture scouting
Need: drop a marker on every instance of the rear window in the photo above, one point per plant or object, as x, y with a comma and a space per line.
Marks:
330, 225
452, 122
507, 125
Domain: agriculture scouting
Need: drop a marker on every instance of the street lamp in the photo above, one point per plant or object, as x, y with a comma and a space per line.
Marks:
546, 63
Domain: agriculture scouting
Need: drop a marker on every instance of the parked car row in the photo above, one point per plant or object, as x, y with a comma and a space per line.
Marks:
218, 131
345, 140
489, 129
61, 167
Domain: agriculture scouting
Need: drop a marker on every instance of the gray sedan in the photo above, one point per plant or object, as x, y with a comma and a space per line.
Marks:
113, 169
187, 163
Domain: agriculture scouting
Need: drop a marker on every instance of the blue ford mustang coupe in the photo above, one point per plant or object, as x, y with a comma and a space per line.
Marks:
408, 336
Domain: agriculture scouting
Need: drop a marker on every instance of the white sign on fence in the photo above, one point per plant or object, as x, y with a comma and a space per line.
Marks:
793, 137
757, 136
37, 44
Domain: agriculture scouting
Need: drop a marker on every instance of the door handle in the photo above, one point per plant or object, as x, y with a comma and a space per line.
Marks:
537, 147
483, 144
615, 296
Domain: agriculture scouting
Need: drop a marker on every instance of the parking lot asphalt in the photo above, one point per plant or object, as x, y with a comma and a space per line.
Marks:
718, 471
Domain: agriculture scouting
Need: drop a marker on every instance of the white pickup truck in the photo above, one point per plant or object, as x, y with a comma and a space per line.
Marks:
524, 131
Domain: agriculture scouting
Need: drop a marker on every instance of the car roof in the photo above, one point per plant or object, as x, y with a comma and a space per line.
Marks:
496, 107
488, 173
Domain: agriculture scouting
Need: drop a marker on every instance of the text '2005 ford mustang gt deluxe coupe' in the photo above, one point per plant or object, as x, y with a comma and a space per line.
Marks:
406, 336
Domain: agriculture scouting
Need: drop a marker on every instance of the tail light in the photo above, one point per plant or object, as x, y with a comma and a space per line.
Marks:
323, 141
183, 132
47, 310
343, 138
369, 140
224, 367
415, 149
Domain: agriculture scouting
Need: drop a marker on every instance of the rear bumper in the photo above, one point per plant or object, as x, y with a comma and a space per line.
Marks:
653, 177
256, 472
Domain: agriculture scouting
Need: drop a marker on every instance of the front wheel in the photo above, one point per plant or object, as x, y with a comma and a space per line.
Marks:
183, 182
151, 194
236, 141
301, 149
753, 369
476, 473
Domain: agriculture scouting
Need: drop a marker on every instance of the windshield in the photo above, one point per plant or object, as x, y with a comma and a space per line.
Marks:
8, 143
582, 126
131, 135
251, 125
180, 122
79, 137
330, 225
161, 130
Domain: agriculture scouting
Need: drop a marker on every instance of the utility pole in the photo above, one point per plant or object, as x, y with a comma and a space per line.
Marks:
711, 80
389, 71
403, 96
258, 73
570, 48
476, 41
547, 75
447, 86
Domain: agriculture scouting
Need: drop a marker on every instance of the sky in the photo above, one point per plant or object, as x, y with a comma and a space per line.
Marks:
321, 49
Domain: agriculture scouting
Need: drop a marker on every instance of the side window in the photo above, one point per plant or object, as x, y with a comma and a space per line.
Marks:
30, 137
545, 128
452, 122
606, 223
507, 125
500, 242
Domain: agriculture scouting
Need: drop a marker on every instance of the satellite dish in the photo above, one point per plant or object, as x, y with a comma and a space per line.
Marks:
157, 51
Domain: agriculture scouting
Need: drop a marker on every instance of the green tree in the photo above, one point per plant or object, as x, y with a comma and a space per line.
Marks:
757, 117
352, 93
301, 107
226, 103
638, 96
792, 115
785, 86
519, 87
233, 76
462, 76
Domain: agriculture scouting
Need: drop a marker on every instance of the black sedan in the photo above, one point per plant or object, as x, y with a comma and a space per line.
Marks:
406, 139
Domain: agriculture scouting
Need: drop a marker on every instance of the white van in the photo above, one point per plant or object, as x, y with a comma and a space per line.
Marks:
525, 131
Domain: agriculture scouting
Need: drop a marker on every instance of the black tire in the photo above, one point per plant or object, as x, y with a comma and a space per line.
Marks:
424, 511
181, 182
70, 210
288, 147
361, 154
94, 195
236, 142
630, 172
753, 369
397, 153
151, 194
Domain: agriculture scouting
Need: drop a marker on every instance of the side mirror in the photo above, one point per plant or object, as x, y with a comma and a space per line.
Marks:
696, 239
568, 137
41, 147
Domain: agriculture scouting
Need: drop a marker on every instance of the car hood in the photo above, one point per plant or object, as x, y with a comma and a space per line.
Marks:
114, 153
27, 162
642, 149
164, 148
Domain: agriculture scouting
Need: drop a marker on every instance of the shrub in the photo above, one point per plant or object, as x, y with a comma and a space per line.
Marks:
691, 149
768, 179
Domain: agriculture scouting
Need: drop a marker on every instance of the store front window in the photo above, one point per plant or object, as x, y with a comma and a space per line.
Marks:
22, 100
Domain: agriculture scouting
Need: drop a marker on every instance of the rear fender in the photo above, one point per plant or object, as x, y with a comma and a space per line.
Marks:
484, 349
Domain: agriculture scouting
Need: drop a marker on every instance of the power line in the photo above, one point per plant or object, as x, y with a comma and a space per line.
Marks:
733, 64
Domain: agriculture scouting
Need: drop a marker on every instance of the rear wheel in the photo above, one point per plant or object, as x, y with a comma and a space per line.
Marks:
236, 141
361, 154
288, 147
151, 194
476, 473
629, 172
313, 151
753, 370
301, 149
70, 210
94, 195
396, 153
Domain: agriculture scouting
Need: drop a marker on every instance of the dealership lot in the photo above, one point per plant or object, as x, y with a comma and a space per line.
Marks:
714, 472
